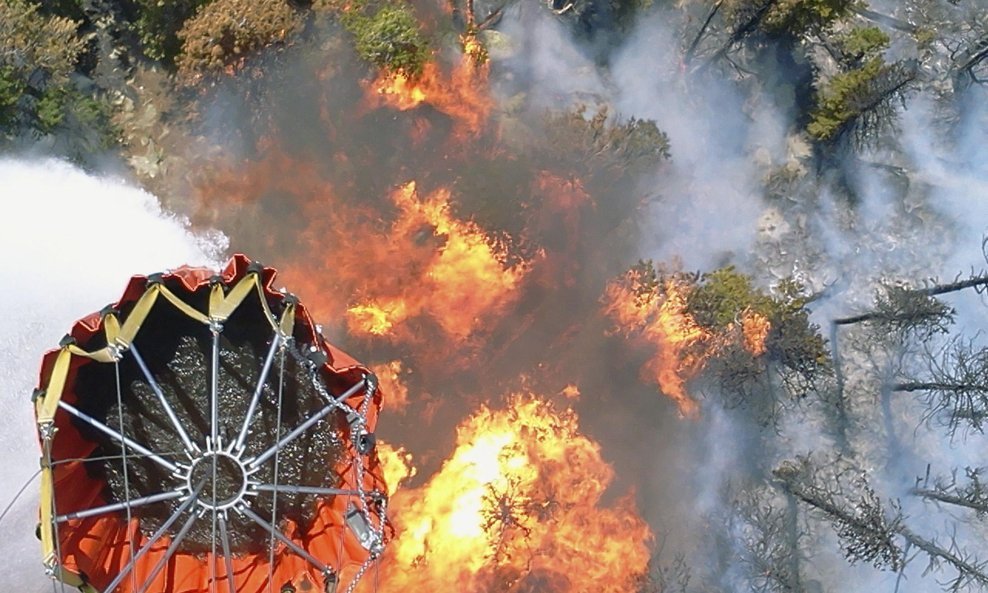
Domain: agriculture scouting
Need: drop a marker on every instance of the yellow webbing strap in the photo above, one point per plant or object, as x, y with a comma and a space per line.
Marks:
124, 335
101, 355
118, 335
222, 306
182, 305
47, 530
71, 579
46, 405
264, 305
47, 512
287, 323
115, 335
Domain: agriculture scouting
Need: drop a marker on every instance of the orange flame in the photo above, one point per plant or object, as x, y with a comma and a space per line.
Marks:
377, 318
657, 311
662, 319
517, 507
398, 91
474, 50
396, 272
461, 94
459, 276
755, 328
389, 378
397, 465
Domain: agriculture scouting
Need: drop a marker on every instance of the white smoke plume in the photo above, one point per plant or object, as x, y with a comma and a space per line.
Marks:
70, 242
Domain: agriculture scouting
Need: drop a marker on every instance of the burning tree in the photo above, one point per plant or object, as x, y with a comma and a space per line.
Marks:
519, 504
464, 237
745, 338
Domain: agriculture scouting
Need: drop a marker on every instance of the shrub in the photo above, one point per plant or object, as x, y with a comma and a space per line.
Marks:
796, 17
157, 25
30, 41
38, 54
224, 32
603, 143
389, 38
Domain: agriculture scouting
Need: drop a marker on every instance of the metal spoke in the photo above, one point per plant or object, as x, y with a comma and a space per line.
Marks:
260, 459
119, 506
176, 542
256, 462
157, 535
227, 559
215, 387
293, 489
123, 458
119, 437
212, 557
274, 497
257, 392
161, 397
245, 510
214, 443
340, 399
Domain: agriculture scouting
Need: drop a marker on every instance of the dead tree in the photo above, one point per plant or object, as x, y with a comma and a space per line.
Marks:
770, 533
955, 388
901, 309
970, 494
900, 314
869, 532
748, 17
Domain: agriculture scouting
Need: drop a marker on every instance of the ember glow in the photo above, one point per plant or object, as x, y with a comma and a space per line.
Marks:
518, 506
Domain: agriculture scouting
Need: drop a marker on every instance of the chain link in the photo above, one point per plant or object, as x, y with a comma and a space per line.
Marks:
358, 423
